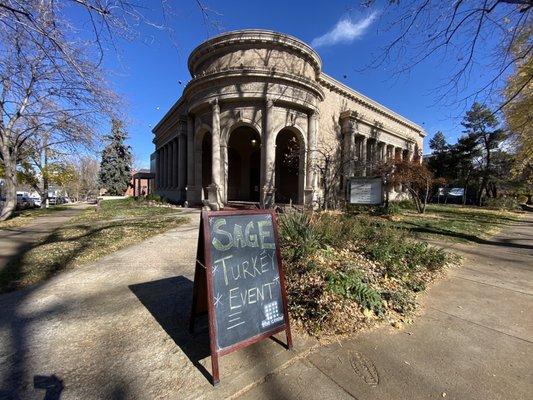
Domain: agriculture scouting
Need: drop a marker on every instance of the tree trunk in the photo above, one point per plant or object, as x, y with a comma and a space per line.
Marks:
10, 186
44, 200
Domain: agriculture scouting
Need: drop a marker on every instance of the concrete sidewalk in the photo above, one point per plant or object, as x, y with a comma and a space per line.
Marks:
13, 241
474, 339
117, 329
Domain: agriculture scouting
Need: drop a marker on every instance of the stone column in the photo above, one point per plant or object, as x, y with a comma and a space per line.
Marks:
169, 165
382, 152
364, 156
191, 189
268, 167
348, 121
182, 165
164, 167
158, 168
175, 166
214, 189
397, 153
390, 152
311, 157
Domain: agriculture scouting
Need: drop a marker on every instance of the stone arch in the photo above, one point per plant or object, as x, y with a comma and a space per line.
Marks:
237, 123
290, 164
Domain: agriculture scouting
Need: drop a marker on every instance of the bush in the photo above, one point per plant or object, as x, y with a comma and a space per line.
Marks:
300, 238
406, 204
345, 271
502, 203
393, 209
350, 285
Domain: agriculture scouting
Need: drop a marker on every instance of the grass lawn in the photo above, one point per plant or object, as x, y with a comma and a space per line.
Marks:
454, 222
87, 237
22, 217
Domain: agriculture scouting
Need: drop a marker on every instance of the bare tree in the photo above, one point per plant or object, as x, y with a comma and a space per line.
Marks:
473, 37
48, 87
51, 80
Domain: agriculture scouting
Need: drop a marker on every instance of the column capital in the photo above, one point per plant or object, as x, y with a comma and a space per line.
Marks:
214, 105
313, 114
269, 101
349, 114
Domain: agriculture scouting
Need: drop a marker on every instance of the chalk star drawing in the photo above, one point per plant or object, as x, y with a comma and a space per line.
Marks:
276, 279
218, 297
215, 267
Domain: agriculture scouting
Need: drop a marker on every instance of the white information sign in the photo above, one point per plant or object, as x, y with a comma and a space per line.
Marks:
365, 191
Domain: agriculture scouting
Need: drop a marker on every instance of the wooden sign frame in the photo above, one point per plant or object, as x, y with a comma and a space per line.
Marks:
202, 298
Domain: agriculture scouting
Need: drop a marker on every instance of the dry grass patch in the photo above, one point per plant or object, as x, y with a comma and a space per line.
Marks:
345, 273
86, 238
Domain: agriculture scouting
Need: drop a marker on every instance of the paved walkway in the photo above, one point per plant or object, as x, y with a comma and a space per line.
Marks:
116, 329
13, 241
474, 339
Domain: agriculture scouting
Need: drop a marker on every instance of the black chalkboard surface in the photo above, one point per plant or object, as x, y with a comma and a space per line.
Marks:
246, 284
240, 272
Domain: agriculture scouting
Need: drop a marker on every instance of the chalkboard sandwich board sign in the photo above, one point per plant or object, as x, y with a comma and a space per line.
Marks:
239, 281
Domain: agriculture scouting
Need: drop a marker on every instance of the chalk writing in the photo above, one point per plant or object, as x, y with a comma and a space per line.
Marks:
246, 284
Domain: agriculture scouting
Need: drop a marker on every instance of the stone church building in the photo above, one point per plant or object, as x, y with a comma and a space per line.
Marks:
257, 118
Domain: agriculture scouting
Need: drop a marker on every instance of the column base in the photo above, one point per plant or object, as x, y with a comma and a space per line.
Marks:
310, 197
214, 200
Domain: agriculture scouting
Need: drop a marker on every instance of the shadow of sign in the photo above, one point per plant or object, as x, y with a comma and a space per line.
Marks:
169, 302
52, 384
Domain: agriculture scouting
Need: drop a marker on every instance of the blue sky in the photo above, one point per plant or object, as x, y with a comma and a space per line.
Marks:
148, 71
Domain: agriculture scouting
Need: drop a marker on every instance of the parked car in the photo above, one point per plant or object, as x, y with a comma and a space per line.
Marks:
37, 202
52, 200
24, 201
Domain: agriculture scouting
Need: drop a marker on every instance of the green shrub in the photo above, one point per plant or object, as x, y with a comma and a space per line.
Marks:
522, 199
502, 203
350, 285
300, 238
406, 204
393, 208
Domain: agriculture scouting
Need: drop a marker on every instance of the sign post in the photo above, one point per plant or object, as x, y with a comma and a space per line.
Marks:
239, 281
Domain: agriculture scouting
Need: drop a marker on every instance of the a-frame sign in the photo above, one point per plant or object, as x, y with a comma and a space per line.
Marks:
239, 281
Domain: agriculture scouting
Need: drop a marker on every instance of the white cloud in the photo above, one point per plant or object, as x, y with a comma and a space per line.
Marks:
345, 31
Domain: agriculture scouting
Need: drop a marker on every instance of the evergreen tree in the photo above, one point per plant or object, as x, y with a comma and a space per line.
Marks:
481, 125
439, 160
115, 167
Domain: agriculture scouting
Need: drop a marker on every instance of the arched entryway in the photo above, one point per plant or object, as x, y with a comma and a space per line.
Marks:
290, 161
244, 160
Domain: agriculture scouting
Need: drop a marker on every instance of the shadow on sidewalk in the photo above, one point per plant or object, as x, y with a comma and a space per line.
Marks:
169, 302
497, 241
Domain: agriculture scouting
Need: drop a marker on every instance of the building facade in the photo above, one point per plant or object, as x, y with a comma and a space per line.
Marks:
258, 116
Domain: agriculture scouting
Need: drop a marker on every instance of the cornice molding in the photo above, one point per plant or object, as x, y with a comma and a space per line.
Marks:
336, 86
269, 74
